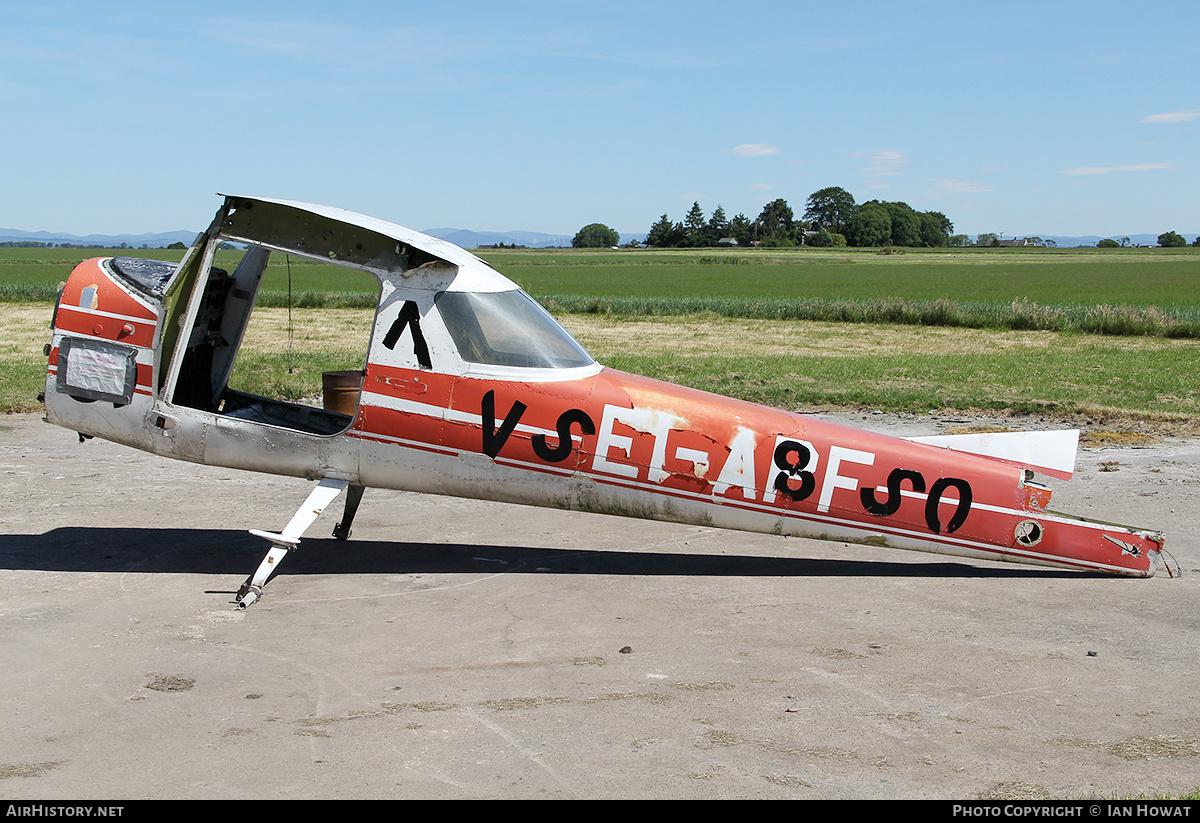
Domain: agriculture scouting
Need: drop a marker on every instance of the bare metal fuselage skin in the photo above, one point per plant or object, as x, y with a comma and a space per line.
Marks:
145, 361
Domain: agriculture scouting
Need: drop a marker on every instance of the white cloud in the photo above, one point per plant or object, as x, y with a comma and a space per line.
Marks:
755, 149
763, 186
887, 163
1110, 169
1181, 116
946, 186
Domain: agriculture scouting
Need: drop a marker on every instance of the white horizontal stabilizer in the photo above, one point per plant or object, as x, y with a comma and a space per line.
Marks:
1051, 452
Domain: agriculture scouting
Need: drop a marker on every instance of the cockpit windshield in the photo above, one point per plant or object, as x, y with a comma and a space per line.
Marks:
507, 328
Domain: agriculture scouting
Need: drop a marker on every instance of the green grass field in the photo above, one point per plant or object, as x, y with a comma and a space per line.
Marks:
1111, 291
1165, 278
1139, 277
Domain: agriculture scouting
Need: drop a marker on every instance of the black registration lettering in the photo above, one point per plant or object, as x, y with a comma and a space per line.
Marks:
791, 457
889, 507
493, 438
409, 318
563, 449
935, 499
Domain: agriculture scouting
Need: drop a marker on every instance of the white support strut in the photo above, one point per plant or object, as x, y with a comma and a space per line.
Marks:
281, 543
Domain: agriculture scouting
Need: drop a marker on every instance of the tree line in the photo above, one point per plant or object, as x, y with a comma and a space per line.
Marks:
1172, 240
831, 218
35, 244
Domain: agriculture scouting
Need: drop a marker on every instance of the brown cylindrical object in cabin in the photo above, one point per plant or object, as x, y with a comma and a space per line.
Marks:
339, 390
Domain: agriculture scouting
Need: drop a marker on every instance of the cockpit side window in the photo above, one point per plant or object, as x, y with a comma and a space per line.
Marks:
507, 328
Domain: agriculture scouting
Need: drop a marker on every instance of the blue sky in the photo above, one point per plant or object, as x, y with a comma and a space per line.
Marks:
1068, 118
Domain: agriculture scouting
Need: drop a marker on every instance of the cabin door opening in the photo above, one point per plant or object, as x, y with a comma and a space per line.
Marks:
279, 340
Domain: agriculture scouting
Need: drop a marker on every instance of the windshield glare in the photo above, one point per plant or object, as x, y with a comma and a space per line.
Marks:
508, 328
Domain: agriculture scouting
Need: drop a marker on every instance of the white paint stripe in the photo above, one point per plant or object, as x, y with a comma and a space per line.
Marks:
145, 321
399, 404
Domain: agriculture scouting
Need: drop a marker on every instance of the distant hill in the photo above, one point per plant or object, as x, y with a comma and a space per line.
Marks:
460, 237
1092, 239
468, 239
106, 241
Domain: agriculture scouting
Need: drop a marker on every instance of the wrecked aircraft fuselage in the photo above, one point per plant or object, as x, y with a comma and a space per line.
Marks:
469, 388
